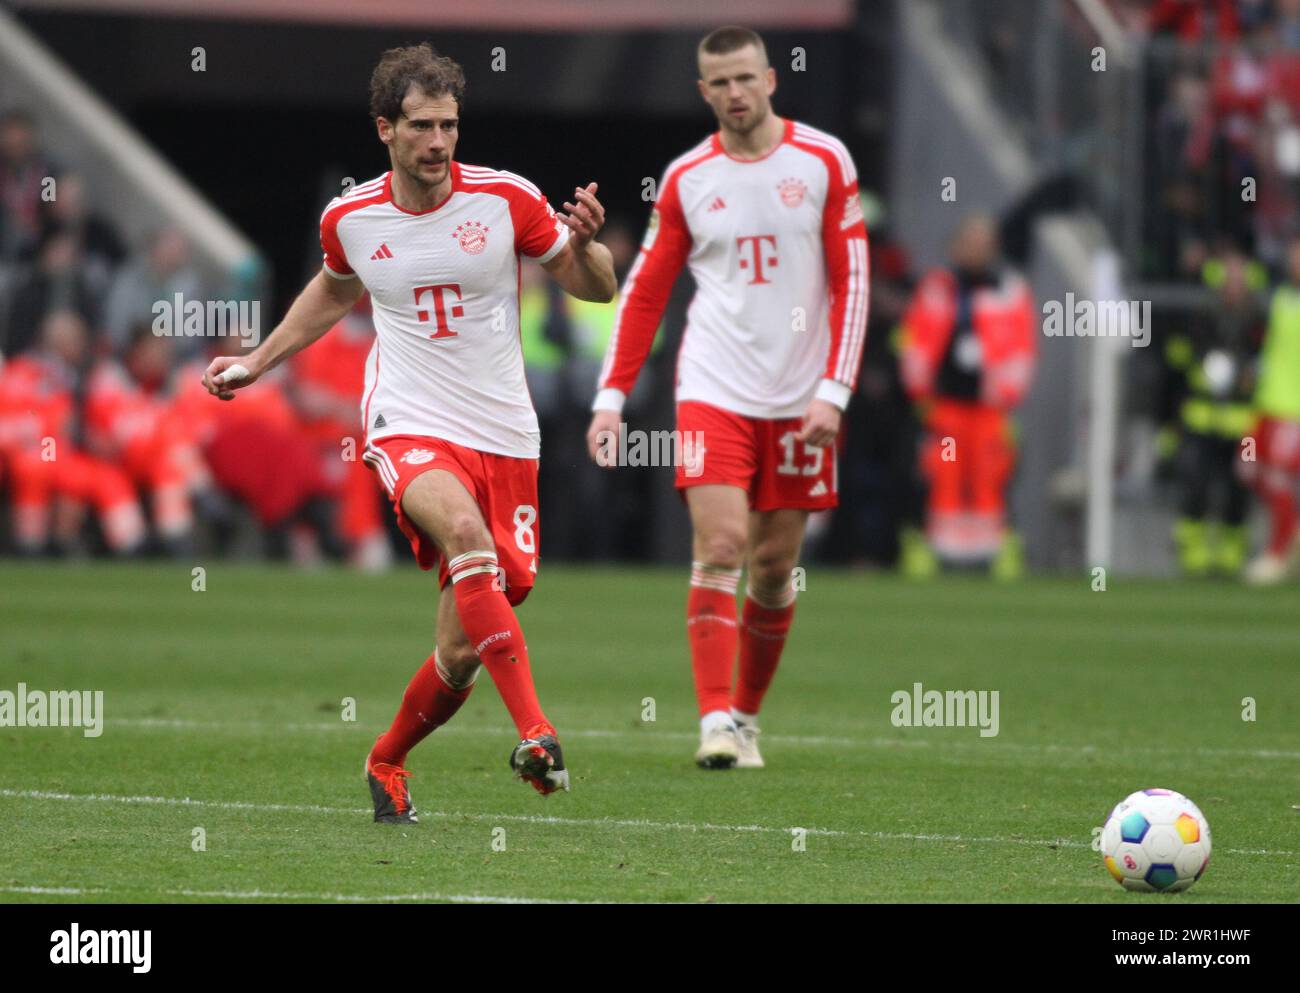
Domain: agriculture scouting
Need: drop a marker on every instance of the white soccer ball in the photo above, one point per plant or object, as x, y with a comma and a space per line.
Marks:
1156, 840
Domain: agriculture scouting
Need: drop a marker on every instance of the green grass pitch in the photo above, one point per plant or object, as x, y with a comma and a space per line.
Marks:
223, 711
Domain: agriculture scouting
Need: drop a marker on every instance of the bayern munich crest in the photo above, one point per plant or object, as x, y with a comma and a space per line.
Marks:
792, 191
472, 236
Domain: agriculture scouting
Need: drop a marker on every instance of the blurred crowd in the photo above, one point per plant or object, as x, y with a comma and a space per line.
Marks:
1228, 399
110, 445
108, 442
1223, 85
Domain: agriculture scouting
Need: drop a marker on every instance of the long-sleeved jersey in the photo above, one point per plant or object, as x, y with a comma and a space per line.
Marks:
778, 250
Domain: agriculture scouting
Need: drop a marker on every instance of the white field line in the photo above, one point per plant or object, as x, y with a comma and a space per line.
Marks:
809, 741
270, 895
636, 823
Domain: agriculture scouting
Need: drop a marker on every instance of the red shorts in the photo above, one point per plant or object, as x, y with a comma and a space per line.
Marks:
504, 488
762, 457
1278, 444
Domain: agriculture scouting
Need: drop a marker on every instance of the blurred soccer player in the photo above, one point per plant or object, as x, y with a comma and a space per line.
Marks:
766, 214
1275, 472
450, 429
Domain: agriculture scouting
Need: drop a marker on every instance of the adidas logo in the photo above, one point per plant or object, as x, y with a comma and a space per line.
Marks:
718, 204
384, 252
819, 489
380, 422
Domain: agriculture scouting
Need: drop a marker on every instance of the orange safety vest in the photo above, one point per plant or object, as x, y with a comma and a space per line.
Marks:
1003, 319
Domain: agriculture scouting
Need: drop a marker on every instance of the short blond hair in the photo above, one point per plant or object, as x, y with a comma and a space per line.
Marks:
728, 39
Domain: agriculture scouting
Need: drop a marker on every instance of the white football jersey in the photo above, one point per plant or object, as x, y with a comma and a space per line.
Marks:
444, 289
778, 250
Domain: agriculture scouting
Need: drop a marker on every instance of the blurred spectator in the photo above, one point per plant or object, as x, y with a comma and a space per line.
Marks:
968, 350
1274, 473
51, 479
127, 423
260, 455
58, 282
23, 171
1211, 377
99, 249
610, 510
326, 386
1196, 20
1288, 24
158, 275
1178, 196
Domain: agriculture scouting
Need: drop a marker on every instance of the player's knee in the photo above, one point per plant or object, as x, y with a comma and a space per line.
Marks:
465, 533
724, 549
770, 569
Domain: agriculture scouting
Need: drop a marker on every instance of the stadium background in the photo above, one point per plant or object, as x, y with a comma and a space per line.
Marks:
1088, 173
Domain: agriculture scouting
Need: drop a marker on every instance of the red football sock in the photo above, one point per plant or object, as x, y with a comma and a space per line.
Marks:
711, 630
489, 620
428, 703
1282, 516
763, 629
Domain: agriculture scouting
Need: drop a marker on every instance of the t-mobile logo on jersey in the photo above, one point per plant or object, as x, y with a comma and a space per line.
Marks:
758, 259
440, 308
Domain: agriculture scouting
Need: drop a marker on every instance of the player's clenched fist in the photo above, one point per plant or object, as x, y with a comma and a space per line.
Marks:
602, 437
225, 374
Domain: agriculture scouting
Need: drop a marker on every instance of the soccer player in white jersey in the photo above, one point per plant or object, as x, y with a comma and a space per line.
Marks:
765, 213
451, 432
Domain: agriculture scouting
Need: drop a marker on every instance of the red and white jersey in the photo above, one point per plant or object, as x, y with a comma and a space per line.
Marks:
778, 249
444, 290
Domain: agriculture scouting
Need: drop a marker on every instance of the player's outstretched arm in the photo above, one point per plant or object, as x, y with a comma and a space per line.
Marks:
320, 306
584, 267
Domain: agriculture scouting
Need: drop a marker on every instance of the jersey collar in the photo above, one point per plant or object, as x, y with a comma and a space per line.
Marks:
787, 133
455, 186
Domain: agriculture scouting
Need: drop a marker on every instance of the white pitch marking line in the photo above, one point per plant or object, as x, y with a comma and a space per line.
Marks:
267, 895
578, 821
811, 741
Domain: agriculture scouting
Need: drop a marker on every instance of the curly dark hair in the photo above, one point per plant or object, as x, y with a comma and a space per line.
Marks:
415, 65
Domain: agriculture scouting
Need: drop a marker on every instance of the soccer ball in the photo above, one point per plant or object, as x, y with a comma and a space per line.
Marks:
1156, 840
